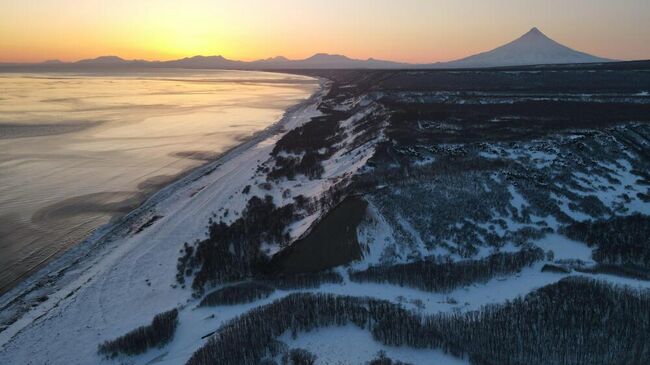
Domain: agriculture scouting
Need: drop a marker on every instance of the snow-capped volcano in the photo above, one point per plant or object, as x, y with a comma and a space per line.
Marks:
533, 48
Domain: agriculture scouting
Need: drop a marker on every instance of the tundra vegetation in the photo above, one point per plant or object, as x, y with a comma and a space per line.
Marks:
467, 172
429, 275
560, 323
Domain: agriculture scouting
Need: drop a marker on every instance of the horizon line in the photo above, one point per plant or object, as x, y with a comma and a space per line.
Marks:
532, 30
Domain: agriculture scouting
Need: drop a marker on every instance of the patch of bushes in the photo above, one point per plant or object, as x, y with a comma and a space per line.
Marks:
309, 165
265, 286
534, 119
555, 269
299, 357
304, 281
319, 132
632, 272
158, 333
251, 337
232, 252
311, 143
618, 240
576, 321
237, 294
382, 359
445, 276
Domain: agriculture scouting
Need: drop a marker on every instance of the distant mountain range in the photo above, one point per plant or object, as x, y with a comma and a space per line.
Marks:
533, 48
317, 61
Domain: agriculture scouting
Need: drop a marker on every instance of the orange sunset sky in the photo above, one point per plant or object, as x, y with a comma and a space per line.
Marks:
405, 30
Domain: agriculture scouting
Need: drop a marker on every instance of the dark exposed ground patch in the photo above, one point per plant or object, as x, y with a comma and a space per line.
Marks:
332, 241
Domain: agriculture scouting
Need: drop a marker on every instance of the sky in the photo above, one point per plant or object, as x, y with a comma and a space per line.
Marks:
399, 30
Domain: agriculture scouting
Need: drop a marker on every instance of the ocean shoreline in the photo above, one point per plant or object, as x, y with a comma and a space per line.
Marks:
125, 136
34, 287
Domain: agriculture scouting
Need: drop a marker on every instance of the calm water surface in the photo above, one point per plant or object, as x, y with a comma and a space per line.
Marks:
77, 150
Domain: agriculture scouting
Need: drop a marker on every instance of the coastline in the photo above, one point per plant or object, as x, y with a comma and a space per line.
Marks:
33, 291
120, 154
